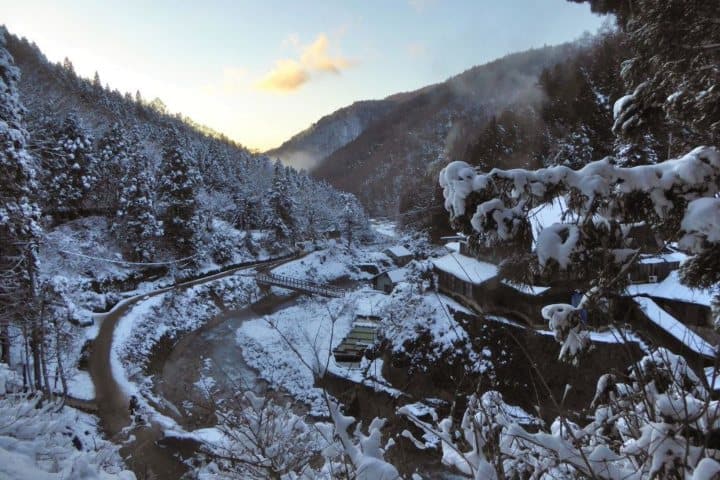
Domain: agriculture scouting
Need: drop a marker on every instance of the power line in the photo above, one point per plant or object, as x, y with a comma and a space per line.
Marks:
124, 262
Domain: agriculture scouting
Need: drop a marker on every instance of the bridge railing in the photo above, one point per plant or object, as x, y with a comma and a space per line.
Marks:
298, 284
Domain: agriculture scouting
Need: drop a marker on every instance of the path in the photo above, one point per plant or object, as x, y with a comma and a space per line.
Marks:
144, 455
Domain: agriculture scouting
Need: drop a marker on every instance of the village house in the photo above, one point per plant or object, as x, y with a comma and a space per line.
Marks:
662, 310
399, 254
386, 281
655, 268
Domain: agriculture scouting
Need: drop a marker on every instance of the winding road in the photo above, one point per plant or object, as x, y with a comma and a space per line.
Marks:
144, 448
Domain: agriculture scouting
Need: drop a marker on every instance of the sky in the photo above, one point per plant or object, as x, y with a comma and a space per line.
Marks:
261, 71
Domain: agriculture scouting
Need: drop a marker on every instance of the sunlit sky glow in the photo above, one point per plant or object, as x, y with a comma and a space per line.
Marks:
261, 71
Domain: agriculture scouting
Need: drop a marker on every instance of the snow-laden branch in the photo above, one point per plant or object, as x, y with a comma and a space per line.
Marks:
689, 177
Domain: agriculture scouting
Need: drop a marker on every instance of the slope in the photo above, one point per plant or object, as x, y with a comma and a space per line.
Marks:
432, 126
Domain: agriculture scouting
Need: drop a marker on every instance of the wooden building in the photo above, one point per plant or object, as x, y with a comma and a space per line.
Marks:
386, 281
399, 254
655, 268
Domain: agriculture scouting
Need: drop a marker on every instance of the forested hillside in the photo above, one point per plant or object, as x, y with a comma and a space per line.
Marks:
109, 190
431, 125
168, 187
174, 306
311, 146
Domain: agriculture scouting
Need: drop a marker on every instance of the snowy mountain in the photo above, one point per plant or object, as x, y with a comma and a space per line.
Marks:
426, 127
332, 132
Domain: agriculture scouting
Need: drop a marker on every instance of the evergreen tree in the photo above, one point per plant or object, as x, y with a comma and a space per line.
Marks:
69, 161
114, 155
136, 224
19, 231
177, 194
96, 81
281, 219
671, 73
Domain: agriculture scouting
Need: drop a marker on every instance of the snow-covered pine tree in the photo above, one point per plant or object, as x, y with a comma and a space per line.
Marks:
114, 155
19, 213
280, 216
68, 161
136, 223
672, 70
177, 189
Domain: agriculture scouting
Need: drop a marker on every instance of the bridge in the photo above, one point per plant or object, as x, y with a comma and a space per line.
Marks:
296, 284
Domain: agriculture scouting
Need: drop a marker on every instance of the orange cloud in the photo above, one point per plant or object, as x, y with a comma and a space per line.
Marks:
315, 57
289, 74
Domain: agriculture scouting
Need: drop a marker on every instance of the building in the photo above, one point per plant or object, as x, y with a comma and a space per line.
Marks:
386, 281
692, 306
655, 268
399, 254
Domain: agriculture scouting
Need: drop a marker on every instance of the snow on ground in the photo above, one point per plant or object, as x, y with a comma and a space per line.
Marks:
332, 263
125, 329
466, 268
408, 314
288, 346
66, 250
291, 346
674, 327
80, 385
40, 441
169, 314
384, 227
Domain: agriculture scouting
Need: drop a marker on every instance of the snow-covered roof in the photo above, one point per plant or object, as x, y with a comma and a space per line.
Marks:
399, 251
395, 276
453, 246
674, 327
529, 289
465, 268
672, 289
664, 257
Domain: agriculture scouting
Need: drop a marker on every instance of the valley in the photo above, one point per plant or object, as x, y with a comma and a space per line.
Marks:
491, 250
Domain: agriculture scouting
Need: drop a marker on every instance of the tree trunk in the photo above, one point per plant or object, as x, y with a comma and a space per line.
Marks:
5, 343
61, 370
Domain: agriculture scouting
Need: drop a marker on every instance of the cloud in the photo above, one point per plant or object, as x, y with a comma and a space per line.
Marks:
289, 74
315, 57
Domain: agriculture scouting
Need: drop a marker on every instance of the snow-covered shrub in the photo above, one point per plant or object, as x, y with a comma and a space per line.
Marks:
659, 423
358, 457
675, 198
421, 328
43, 439
222, 242
261, 439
